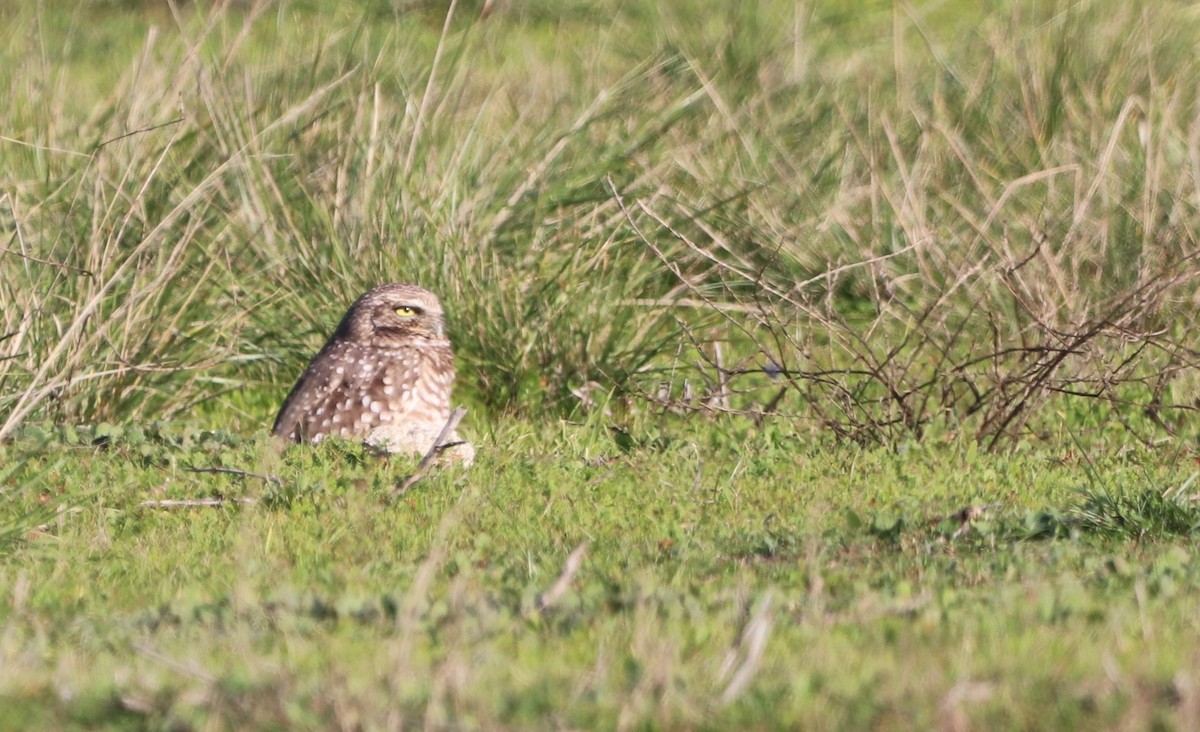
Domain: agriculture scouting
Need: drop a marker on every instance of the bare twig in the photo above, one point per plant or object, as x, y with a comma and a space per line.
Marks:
196, 502
139, 131
50, 263
273, 479
438, 445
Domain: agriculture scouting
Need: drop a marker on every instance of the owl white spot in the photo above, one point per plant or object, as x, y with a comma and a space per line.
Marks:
389, 389
339, 370
337, 418
366, 401
385, 417
366, 417
387, 381
376, 407
320, 411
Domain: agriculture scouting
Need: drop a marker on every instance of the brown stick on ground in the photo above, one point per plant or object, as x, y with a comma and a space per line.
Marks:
438, 445
195, 502
238, 473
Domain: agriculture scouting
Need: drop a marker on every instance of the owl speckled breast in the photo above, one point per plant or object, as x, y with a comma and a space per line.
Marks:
384, 376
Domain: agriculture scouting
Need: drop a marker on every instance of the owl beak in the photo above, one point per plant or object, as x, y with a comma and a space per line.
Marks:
440, 330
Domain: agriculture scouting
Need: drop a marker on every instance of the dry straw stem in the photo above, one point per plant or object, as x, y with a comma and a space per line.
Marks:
743, 661
427, 97
561, 585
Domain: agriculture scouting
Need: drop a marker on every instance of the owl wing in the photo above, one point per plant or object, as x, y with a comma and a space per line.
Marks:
307, 412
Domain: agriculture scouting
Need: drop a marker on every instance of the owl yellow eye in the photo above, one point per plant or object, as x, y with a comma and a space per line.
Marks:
405, 311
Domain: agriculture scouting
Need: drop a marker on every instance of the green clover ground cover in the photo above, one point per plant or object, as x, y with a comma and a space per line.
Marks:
725, 579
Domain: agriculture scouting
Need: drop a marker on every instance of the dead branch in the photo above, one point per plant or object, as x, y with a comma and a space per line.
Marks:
435, 449
197, 502
217, 469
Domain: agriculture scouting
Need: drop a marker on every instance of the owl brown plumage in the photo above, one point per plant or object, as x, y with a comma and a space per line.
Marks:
384, 376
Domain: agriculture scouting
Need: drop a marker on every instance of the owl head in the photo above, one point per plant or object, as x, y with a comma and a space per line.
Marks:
395, 315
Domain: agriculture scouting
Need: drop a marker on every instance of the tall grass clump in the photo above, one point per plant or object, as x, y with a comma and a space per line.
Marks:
986, 227
176, 251
720, 207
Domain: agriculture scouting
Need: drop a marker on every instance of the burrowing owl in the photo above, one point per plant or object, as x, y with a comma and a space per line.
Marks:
384, 376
